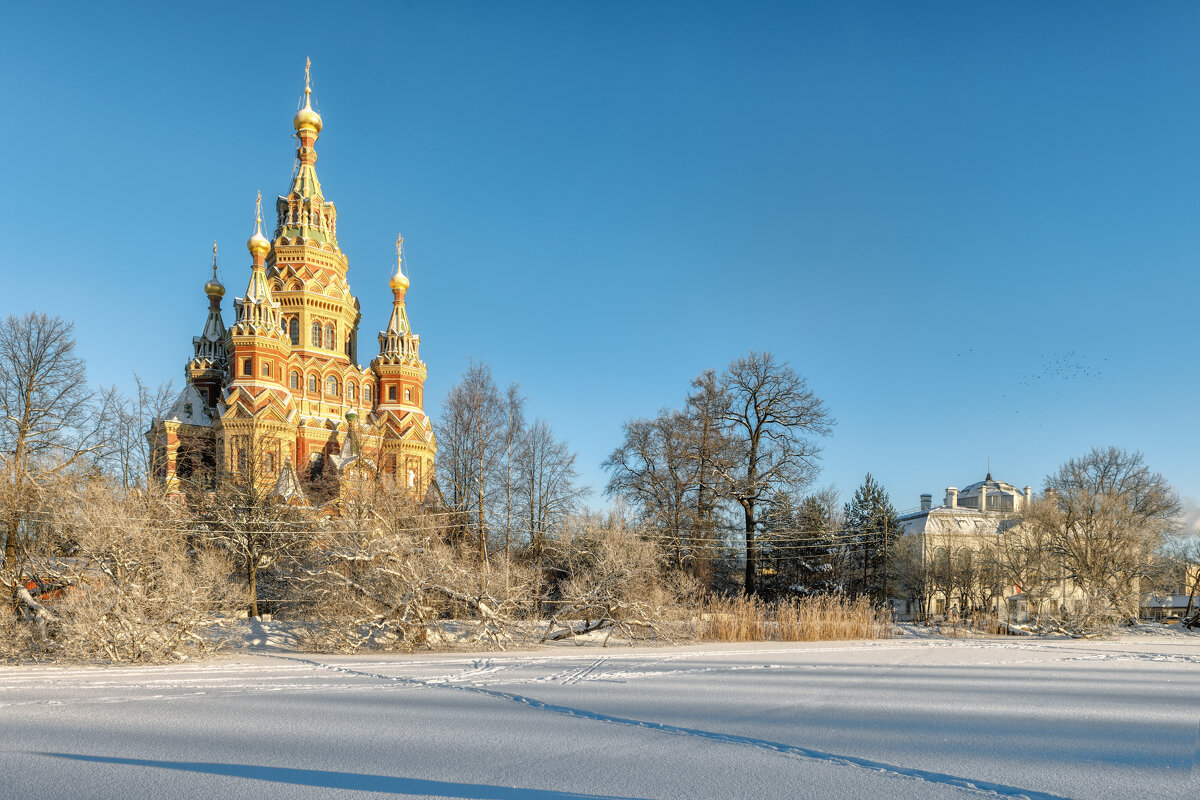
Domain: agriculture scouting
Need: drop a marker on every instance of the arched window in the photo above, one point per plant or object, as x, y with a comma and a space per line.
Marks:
329, 336
266, 369
351, 391
392, 394
294, 380
312, 384
247, 366
316, 334
331, 386
408, 395
366, 392
294, 330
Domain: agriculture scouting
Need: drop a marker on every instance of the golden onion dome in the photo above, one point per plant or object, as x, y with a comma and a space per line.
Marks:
307, 118
399, 282
258, 244
214, 288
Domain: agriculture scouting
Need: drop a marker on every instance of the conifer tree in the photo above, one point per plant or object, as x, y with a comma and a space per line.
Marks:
871, 521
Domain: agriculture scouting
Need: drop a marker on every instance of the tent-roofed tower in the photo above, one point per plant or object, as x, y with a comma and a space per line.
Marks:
278, 390
408, 440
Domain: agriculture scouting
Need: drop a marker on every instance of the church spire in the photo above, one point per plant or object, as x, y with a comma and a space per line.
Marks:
208, 361
307, 123
304, 214
210, 345
258, 312
398, 341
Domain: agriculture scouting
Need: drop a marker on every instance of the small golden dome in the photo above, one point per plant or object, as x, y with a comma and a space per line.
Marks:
307, 118
399, 282
214, 288
258, 244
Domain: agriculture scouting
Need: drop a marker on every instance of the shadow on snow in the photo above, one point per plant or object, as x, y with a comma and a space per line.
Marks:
346, 780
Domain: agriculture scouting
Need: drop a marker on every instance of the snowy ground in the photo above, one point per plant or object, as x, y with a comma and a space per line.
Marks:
904, 718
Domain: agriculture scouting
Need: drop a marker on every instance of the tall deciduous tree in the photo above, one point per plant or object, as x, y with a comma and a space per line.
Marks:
656, 469
472, 442
545, 483
244, 517
771, 421
51, 424
1105, 516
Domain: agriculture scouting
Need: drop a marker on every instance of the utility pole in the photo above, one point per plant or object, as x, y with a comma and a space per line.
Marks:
885, 560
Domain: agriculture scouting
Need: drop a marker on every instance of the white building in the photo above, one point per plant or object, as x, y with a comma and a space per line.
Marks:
947, 575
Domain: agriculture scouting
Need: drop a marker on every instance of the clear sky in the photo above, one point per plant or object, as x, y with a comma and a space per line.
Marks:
971, 226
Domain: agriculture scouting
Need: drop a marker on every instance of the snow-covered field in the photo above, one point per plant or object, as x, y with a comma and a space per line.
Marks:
903, 718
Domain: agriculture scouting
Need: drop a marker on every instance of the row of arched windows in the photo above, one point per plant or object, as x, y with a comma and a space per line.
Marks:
320, 335
331, 387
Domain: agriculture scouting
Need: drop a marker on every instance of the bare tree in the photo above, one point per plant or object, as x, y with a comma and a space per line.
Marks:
546, 483
1105, 517
771, 419
129, 458
514, 433
710, 448
243, 516
52, 423
472, 439
657, 472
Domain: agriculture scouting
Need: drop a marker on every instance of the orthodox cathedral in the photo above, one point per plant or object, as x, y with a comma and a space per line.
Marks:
279, 396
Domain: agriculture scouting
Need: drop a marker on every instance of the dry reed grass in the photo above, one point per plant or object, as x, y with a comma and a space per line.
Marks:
810, 619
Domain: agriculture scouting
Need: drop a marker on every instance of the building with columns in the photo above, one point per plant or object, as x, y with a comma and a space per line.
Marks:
279, 395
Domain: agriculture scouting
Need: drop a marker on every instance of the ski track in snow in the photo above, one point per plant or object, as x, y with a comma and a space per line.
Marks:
964, 784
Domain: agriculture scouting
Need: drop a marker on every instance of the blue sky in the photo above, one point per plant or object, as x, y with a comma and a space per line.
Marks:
971, 226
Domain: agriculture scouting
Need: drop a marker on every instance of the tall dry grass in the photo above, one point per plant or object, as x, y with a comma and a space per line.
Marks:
810, 619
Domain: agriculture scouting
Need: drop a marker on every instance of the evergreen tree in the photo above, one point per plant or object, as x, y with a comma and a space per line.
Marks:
872, 524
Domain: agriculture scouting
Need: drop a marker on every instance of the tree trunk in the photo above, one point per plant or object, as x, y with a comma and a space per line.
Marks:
252, 579
10, 544
751, 553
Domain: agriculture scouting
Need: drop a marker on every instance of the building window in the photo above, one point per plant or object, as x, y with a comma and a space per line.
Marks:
329, 337
331, 386
366, 392
266, 369
392, 393
351, 391
294, 330
312, 384
408, 395
247, 366
294, 380
316, 334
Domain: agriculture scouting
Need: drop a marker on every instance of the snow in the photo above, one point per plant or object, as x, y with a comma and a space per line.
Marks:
901, 718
